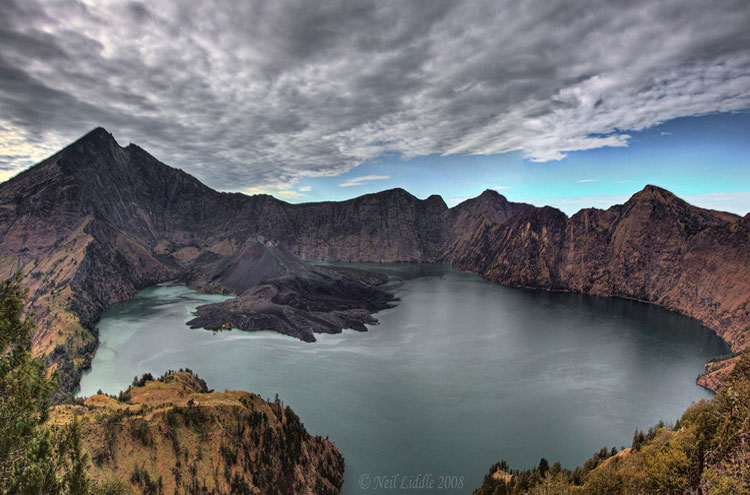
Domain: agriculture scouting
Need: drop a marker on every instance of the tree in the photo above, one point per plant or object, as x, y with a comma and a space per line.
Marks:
34, 459
552, 485
543, 466
71, 461
26, 446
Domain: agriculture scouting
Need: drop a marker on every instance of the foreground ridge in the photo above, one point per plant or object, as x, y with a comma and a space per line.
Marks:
706, 451
172, 434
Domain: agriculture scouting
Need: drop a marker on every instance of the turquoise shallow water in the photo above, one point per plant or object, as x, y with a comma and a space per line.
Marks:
459, 375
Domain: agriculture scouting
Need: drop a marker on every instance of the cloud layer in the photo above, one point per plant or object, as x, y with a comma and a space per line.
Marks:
258, 94
358, 181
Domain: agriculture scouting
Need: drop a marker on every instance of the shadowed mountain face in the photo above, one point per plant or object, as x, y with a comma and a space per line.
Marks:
96, 222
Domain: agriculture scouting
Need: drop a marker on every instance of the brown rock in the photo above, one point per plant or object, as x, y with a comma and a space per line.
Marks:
96, 222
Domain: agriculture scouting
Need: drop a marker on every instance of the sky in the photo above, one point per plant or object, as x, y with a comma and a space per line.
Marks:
571, 103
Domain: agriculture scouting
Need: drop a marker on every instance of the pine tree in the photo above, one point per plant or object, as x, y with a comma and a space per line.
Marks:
543, 466
26, 446
33, 458
72, 461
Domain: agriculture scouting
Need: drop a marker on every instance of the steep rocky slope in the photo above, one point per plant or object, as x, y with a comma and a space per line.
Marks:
384, 227
655, 248
96, 222
173, 435
75, 260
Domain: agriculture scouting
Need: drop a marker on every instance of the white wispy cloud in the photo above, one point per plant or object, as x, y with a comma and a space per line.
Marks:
571, 205
733, 202
501, 188
265, 93
452, 201
304, 188
588, 180
358, 181
282, 191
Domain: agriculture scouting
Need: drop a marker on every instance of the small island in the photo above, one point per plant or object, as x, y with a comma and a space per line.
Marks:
278, 291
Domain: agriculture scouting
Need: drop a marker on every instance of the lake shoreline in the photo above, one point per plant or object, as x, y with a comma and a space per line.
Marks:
417, 354
702, 380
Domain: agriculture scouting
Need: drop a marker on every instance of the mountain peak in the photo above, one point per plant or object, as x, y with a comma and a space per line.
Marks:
99, 130
96, 142
258, 261
89, 155
396, 191
651, 193
491, 193
98, 134
436, 200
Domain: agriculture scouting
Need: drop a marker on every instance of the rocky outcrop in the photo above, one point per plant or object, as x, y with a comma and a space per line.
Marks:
173, 435
96, 222
717, 372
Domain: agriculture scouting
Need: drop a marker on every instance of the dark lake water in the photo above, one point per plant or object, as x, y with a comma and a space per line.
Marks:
459, 375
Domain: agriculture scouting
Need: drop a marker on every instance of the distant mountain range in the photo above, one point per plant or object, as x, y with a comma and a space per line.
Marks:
96, 222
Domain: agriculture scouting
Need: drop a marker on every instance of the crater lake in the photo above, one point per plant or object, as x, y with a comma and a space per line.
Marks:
460, 374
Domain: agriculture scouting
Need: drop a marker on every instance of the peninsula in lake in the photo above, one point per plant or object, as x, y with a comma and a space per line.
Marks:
278, 291
96, 222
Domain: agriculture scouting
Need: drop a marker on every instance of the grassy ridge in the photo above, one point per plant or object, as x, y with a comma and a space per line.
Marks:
173, 435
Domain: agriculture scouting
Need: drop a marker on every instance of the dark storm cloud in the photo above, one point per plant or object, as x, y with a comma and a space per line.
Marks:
257, 94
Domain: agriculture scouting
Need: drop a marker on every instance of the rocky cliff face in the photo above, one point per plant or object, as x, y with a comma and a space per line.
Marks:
96, 222
384, 227
173, 435
655, 248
